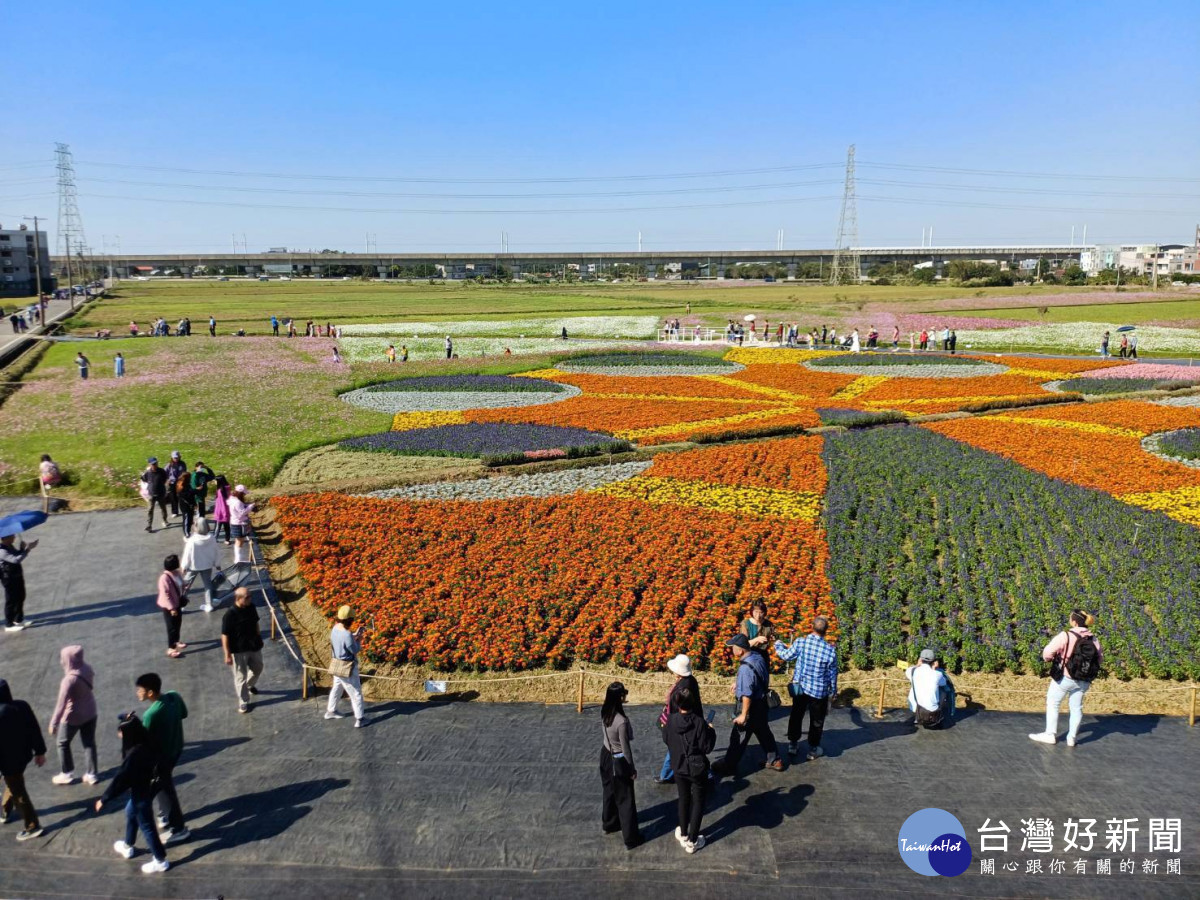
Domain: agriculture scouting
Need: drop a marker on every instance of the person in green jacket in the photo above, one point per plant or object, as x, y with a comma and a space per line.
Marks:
164, 721
200, 479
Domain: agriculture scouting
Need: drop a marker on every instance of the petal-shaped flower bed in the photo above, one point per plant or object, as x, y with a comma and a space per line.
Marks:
903, 365
485, 439
458, 392
540, 484
1182, 444
648, 364
1117, 385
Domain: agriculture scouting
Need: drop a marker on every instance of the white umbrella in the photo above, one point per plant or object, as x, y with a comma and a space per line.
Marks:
750, 318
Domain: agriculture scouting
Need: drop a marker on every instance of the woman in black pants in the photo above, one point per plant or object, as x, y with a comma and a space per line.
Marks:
689, 740
617, 771
171, 599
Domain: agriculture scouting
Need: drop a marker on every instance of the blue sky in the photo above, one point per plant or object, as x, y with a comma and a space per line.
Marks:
455, 93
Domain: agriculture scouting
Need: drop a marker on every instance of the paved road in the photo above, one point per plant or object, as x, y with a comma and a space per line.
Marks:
475, 800
55, 311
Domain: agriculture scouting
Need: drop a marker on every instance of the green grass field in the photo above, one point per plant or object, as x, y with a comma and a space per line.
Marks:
250, 304
1132, 313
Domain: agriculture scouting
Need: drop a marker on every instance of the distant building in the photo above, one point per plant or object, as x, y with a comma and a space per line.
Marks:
18, 255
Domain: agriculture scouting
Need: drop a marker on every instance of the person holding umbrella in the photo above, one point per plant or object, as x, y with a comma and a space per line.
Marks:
12, 571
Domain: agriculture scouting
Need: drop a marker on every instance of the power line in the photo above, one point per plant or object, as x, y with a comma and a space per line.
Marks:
428, 196
722, 173
1009, 173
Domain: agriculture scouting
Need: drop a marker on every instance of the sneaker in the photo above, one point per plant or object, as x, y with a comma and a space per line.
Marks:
658, 780
91, 778
64, 778
692, 848
679, 836
155, 866
123, 849
243, 707
776, 765
793, 748
358, 723
149, 530
13, 628
175, 837
252, 690
162, 823
1070, 742
1043, 737
815, 752
30, 833
334, 715
207, 607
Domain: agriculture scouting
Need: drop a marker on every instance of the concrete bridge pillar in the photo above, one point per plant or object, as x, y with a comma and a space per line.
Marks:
791, 271
384, 271
720, 270
651, 270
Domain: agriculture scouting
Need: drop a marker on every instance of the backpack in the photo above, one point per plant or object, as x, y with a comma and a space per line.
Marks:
1083, 664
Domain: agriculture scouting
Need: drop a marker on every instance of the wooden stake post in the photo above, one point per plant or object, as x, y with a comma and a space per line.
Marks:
1192, 715
579, 698
882, 688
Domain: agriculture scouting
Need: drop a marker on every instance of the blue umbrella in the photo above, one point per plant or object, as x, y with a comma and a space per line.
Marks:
1127, 328
22, 521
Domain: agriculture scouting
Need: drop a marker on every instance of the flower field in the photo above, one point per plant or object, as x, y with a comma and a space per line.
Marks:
974, 535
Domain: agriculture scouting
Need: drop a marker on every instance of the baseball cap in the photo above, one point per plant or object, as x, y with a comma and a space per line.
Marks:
153, 459
175, 454
927, 655
738, 640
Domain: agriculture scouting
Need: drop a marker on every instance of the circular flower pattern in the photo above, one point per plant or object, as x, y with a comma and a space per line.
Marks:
540, 484
393, 402
964, 369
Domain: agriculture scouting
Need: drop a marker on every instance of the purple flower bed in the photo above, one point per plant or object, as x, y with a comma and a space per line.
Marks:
472, 383
858, 418
486, 439
1184, 443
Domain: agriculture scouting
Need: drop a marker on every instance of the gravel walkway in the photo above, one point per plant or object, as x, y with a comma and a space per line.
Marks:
542, 484
726, 368
915, 371
1191, 400
444, 401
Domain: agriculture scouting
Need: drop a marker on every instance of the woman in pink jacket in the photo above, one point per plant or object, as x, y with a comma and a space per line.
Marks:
75, 713
221, 508
1074, 656
170, 601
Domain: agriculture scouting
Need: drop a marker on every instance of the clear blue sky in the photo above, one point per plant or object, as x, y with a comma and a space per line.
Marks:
536, 91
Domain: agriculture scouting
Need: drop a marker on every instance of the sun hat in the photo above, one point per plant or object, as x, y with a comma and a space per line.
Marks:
738, 640
240, 489
345, 612
927, 655
680, 665
153, 460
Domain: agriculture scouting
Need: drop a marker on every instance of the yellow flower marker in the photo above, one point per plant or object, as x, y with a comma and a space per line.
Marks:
859, 386
748, 501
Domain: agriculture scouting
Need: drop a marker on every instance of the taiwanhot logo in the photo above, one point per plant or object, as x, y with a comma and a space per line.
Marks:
933, 842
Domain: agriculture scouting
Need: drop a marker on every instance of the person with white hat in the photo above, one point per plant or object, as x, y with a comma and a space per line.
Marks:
929, 696
343, 666
681, 667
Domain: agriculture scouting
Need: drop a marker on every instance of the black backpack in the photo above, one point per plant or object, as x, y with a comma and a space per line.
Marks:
1084, 662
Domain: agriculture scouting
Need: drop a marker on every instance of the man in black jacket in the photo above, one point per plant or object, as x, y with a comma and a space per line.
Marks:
155, 480
20, 741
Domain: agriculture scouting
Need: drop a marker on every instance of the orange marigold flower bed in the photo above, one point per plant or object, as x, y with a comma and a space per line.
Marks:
1135, 415
789, 464
1042, 364
937, 388
615, 414
795, 378
1105, 462
794, 417
515, 584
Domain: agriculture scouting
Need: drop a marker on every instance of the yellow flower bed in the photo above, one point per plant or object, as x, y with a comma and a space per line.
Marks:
1182, 503
751, 356
933, 401
1038, 375
544, 374
757, 388
859, 386
1088, 427
747, 501
407, 421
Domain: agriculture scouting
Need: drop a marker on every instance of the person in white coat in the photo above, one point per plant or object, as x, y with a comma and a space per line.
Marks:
855, 344
200, 557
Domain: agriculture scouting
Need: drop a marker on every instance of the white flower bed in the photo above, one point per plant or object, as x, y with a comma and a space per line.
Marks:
1191, 400
930, 370
372, 349
635, 327
543, 484
1080, 336
445, 401
726, 368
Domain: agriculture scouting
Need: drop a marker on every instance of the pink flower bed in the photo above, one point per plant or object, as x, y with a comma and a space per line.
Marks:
1161, 371
552, 453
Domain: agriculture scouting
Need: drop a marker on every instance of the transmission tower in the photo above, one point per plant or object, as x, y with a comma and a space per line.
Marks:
846, 265
70, 226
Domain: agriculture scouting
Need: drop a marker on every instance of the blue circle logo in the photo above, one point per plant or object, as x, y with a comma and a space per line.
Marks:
933, 842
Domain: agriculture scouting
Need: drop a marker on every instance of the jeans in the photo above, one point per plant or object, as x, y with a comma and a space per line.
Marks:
816, 707
667, 772
353, 687
189, 517
16, 795
206, 579
87, 736
217, 532
1073, 691
246, 669
139, 814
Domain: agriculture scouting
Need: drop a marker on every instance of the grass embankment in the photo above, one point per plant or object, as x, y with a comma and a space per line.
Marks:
250, 304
